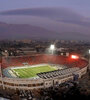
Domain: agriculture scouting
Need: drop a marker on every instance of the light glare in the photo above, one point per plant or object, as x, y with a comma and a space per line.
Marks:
74, 57
89, 51
52, 47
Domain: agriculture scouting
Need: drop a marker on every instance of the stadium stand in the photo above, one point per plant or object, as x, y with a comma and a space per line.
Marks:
31, 60
57, 73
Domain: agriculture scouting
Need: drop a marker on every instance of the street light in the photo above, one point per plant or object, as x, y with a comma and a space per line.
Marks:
52, 47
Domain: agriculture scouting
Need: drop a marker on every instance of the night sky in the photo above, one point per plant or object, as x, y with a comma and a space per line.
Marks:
60, 16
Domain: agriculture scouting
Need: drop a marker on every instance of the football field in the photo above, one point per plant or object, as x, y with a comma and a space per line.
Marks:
30, 72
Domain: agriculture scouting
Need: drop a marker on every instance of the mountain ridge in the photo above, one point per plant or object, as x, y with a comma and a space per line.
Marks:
21, 31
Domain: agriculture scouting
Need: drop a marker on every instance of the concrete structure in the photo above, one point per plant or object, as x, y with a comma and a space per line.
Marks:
25, 84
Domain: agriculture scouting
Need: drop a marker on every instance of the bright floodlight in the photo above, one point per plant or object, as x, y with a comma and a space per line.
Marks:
89, 51
74, 56
52, 47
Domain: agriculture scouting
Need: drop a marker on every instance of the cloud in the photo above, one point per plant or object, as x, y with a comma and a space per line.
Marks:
65, 23
59, 14
55, 13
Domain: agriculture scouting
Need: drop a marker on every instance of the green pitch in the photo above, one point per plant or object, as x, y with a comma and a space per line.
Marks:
32, 71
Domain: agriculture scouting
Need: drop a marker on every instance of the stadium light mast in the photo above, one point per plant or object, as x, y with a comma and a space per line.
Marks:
1, 69
89, 59
52, 47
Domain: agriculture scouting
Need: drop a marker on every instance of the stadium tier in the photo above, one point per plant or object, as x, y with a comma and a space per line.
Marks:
39, 59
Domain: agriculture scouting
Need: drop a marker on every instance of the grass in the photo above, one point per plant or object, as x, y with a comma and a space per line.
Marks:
32, 71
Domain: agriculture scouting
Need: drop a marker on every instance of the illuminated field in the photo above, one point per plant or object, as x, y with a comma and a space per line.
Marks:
32, 71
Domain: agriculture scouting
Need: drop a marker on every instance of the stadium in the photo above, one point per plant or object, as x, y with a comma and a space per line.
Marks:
40, 71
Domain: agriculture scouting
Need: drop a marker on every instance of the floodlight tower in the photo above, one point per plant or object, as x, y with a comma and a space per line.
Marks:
1, 69
52, 48
89, 59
